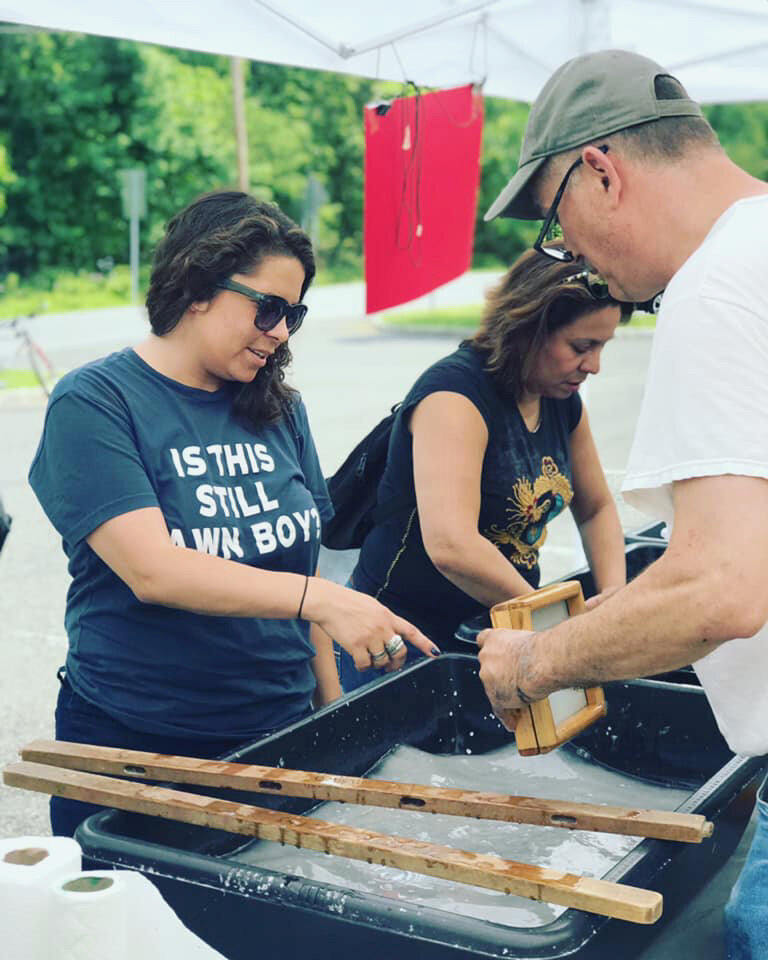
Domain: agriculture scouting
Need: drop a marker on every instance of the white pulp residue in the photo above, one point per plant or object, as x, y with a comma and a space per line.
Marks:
560, 775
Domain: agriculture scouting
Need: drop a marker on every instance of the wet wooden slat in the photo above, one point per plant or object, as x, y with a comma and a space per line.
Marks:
659, 824
535, 883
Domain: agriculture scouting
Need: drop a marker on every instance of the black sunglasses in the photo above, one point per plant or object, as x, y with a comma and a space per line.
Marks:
599, 290
272, 308
550, 229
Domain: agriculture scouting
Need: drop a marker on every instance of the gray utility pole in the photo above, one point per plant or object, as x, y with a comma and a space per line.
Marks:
315, 195
241, 134
134, 208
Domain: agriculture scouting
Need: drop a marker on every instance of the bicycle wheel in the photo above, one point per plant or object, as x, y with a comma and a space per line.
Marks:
41, 366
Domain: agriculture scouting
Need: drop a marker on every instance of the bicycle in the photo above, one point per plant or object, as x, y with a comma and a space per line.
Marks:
37, 359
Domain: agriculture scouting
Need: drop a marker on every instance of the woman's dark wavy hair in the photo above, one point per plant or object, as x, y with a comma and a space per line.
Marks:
536, 297
216, 236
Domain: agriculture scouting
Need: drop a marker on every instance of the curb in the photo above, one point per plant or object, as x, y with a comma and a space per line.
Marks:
398, 329
26, 397
392, 329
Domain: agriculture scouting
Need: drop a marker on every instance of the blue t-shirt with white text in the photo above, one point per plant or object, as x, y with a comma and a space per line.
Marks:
119, 436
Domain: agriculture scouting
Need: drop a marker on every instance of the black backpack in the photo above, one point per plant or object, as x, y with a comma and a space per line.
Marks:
354, 486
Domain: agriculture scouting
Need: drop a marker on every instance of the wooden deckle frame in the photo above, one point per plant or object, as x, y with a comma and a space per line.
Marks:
545, 725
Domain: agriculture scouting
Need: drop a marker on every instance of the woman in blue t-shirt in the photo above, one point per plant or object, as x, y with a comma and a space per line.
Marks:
490, 444
184, 481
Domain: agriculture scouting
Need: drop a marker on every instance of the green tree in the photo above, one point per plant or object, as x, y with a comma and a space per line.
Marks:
7, 177
74, 110
501, 240
320, 115
182, 132
743, 131
66, 104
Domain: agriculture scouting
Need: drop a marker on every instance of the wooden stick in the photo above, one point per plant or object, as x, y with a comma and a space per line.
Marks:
659, 824
523, 880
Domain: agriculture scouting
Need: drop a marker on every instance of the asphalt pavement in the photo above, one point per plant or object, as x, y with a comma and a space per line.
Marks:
350, 373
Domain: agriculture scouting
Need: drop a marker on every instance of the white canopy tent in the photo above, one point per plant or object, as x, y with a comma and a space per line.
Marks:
717, 48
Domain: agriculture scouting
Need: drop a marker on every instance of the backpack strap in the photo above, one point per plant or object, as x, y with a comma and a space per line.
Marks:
394, 505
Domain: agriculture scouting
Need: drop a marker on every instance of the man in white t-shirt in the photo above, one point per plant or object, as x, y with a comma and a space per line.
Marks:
620, 163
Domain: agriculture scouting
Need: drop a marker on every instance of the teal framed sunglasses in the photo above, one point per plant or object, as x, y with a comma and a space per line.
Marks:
271, 308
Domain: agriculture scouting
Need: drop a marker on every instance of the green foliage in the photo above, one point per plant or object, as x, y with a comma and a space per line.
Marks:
183, 134
57, 291
501, 240
75, 110
320, 115
7, 177
278, 160
458, 318
66, 107
743, 131
15, 379
467, 318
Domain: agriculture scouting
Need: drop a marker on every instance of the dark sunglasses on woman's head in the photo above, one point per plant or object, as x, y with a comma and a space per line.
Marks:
271, 308
599, 290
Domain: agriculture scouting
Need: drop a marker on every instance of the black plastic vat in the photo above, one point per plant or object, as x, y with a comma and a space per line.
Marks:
657, 532
655, 731
639, 553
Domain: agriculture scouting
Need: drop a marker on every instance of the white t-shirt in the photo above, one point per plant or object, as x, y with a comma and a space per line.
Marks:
705, 413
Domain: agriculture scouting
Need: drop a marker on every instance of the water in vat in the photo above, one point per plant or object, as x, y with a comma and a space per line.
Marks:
561, 775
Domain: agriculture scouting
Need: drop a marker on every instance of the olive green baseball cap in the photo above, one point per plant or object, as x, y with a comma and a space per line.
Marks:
588, 97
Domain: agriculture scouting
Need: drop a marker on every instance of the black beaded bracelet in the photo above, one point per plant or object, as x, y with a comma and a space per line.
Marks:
303, 595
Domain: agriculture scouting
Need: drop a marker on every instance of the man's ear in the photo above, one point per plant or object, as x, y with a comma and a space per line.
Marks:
199, 306
602, 165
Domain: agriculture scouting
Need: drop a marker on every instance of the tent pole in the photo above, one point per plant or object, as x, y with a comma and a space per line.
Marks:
347, 50
715, 57
353, 50
336, 48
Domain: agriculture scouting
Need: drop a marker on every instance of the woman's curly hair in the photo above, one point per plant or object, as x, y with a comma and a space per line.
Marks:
535, 297
216, 236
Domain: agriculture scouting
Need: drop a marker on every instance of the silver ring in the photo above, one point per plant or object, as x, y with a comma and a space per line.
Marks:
394, 645
378, 657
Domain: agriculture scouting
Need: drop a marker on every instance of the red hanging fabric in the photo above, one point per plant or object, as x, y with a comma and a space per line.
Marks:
422, 169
